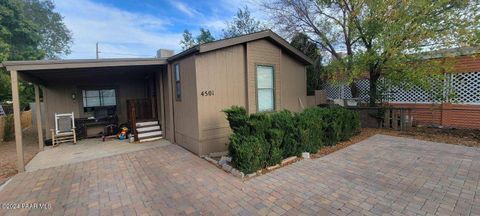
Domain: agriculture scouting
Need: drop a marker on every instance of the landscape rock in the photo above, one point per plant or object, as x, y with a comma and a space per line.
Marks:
251, 175
306, 155
227, 167
288, 160
224, 160
270, 168
237, 173
218, 154
211, 160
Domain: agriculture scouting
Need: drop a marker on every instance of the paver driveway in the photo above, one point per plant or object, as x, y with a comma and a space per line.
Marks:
381, 175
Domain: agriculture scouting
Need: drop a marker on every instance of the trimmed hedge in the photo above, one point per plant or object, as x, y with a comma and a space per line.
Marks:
264, 139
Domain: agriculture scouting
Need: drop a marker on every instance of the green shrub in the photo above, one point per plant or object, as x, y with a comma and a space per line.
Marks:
237, 118
285, 121
247, 152
264, 139
333, 121
274, 138
259, 123
9, 132
311, 126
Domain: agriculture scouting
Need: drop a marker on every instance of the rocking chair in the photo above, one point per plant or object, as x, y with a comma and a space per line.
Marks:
64, 129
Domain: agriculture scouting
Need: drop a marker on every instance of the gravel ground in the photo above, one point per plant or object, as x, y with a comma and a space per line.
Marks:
8, 153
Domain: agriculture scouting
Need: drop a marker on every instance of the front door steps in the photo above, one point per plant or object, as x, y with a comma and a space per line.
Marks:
148, 131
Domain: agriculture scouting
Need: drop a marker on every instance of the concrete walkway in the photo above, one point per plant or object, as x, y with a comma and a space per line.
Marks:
382, 175
84, 150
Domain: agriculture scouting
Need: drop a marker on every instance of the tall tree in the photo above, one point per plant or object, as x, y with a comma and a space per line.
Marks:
314, 72
56, 37
243, 23
188, 40
19, 36
23, 37
381, 37
204, 37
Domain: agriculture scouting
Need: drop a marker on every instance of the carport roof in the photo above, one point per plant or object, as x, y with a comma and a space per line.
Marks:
80, 63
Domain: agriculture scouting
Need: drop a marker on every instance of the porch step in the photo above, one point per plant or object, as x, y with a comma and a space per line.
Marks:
149, 131
148, 128
150, 139
149, 134
147, 123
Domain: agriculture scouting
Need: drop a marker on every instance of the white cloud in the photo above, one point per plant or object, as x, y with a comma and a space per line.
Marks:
191, 12
125, 33
215, 25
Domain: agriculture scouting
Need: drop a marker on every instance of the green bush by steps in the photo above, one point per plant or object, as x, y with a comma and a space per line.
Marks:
264, 139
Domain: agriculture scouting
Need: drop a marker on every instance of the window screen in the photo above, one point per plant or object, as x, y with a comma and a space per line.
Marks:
99, 98
265, 88
178, 87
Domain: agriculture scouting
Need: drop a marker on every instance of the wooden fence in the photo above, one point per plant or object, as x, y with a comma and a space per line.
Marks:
320, 97
26, 119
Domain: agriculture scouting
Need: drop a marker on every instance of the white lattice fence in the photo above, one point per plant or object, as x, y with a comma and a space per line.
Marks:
333, 91
459, 88
363, 87
342, 91
408, 93
465, 88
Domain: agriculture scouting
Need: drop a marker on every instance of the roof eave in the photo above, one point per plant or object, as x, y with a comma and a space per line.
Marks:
266, 34
70, 64
185, 53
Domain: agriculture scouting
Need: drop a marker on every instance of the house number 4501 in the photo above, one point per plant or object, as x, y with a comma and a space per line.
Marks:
207, 93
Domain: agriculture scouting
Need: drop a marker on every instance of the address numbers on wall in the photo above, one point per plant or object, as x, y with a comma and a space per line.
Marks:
207, 93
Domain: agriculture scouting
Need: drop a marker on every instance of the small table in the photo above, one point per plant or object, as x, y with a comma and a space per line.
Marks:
83, 124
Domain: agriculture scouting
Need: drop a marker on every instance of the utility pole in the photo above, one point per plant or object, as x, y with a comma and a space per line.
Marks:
97, 50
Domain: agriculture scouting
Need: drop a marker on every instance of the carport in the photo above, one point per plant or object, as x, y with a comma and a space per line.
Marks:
64, 83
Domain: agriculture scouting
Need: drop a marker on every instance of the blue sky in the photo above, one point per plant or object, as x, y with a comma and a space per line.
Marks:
137, 28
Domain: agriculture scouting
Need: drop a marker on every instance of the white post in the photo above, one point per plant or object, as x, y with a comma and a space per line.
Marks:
17, 121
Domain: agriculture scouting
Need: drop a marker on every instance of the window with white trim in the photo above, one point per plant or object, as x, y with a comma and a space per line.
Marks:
265, 88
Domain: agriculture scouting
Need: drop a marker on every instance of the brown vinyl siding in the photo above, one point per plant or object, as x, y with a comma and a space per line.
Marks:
263, 52
230, 74
186, 111
168, 95
223, 72
294, 84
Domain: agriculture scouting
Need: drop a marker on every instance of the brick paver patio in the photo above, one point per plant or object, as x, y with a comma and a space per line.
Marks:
381, 175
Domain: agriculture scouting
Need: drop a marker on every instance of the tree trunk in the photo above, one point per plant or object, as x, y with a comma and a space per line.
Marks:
354, 90
374, 77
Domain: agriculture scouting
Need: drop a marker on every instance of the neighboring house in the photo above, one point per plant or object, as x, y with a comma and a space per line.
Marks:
461, 105
183, 94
